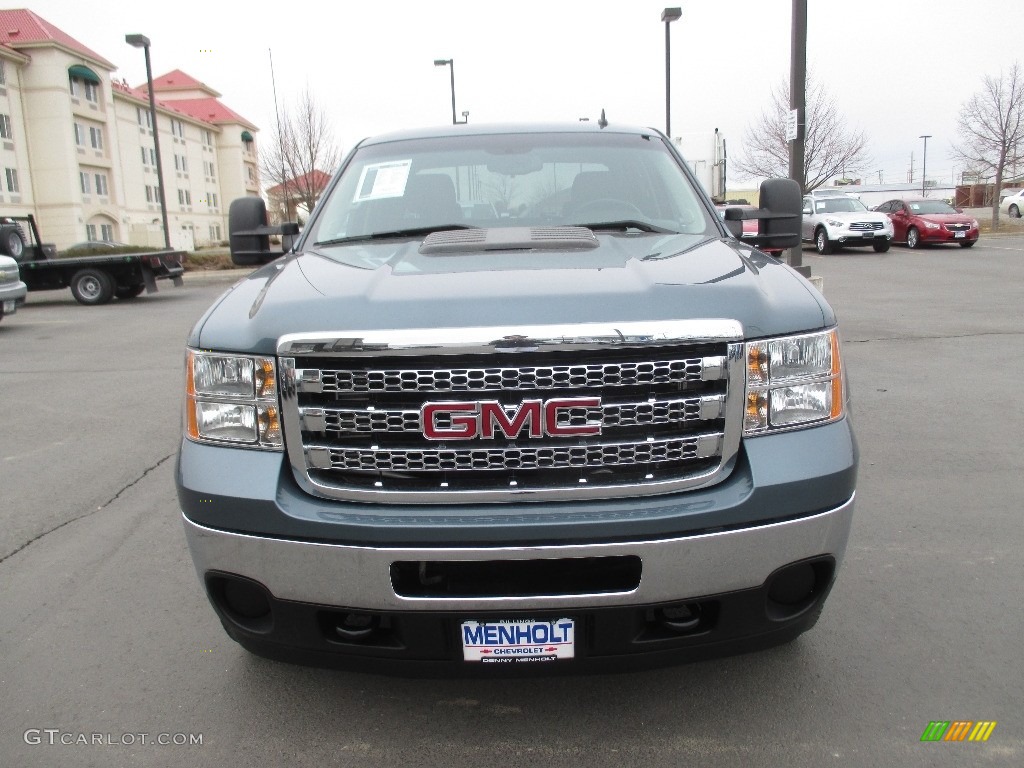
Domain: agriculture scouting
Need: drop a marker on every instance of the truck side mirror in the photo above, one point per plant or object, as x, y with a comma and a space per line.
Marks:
249, 234
779, 215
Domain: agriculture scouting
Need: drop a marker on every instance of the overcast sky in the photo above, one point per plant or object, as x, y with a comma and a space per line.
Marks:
896, 69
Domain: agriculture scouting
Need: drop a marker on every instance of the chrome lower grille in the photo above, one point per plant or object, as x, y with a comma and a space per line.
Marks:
505, 414
866, 226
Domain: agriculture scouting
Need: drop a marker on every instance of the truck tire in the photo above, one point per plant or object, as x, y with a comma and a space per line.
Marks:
248, 213
12, 243
129, 291
92, 287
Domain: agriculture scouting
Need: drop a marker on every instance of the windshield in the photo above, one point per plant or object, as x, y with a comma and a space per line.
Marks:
929, 206
838, 205
410, 187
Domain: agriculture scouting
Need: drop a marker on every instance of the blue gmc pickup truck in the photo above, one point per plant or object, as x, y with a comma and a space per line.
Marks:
517, 398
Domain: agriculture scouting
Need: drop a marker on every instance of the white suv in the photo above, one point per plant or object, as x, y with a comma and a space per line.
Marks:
837, 220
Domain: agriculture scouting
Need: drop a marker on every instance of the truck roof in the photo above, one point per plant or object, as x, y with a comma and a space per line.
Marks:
483, 129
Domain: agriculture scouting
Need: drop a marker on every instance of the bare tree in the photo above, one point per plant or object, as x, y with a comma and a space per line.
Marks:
300, 154
830, 148
991, 128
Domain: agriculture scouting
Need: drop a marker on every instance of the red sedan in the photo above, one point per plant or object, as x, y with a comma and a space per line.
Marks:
922, 221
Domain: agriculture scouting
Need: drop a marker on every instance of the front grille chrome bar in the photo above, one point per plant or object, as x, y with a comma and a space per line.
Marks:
666, 399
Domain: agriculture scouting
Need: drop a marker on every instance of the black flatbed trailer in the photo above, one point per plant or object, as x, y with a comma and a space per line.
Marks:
93, 280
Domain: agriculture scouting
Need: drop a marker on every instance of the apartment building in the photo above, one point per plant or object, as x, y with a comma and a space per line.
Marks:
77, 147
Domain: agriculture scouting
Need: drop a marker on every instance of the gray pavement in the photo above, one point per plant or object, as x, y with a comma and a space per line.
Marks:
104, 630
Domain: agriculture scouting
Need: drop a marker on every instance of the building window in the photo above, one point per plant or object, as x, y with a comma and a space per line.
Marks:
149, 194
152, 156
5, 127
92, 92
144, 118
184, 197
249, 171
12, 180
101, 184
107, 232
79, 135
145, 157
178, 128
207, 138
83, 177
90, 231
181, 163
3, 73
96, 137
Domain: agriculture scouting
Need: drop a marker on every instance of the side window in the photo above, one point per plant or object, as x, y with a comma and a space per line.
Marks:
808, 209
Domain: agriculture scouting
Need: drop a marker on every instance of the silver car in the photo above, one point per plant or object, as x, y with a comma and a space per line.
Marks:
12, 290
837, 221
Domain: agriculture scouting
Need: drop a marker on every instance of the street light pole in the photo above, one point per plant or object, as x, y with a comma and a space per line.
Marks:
668, 16
924, 162
451, 64
141, 41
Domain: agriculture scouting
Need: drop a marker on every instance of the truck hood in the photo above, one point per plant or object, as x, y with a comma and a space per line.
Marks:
628, 277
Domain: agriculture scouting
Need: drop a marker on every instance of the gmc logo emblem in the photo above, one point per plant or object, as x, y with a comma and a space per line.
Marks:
533, 418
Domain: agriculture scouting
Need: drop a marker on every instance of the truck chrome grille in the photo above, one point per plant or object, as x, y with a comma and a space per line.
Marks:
528, 377
542, 413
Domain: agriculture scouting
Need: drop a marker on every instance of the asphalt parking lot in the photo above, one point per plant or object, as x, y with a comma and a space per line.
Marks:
105, 635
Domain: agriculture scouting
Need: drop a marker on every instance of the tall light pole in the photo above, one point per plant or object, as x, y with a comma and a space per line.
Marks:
924, 162
451, 64
141, 41
668, 16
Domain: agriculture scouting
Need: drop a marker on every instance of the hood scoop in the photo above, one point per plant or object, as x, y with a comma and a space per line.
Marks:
509, 239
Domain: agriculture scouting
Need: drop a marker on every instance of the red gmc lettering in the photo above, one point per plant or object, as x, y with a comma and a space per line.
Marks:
532, 418
463, 427
492, 413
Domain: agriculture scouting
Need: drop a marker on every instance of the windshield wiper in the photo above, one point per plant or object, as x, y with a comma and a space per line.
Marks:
624, 224
411, 232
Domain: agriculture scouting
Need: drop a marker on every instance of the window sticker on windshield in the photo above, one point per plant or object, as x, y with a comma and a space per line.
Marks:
820, 206
382, 180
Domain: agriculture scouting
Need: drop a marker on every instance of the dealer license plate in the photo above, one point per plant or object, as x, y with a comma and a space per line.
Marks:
959, 234
518, 641
9, 307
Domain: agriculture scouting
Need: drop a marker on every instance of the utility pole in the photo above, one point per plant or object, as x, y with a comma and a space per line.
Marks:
798, 103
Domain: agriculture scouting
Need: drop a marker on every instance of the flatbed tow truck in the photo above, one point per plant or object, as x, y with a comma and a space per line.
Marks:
93, 280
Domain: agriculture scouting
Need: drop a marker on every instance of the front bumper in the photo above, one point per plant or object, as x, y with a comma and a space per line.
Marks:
307, 593
943, 235
12, 295
848, 238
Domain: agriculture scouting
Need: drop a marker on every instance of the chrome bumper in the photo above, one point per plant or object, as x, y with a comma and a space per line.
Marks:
673, 569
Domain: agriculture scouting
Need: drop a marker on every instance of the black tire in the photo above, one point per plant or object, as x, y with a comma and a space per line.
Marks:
821, 242
881, 247
246, 214
967, 243
92, 287
1014, 212
12, 243
129, 291
913, 238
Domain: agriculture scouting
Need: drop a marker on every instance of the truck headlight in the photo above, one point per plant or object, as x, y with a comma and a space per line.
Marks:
835, 222
792, 382
232, 399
